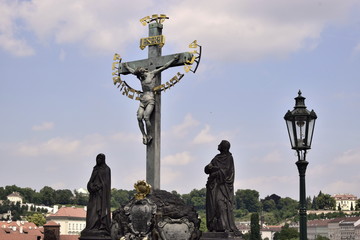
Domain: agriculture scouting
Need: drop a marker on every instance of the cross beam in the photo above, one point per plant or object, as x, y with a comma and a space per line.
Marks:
156, 62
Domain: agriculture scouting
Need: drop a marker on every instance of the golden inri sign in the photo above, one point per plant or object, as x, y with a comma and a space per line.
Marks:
154, 40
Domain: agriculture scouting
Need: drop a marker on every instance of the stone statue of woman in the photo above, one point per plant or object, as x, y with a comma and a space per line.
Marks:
98, 215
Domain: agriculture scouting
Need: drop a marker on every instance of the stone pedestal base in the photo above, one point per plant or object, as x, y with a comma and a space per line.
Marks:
94, 235
219, 236
95, 238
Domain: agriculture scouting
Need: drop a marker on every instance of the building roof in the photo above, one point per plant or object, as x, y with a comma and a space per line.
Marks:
318, 223
69, 237
69, 212
14, 194
340, 197
344, 219
27, 234
51, 223
11, 231
271, 228
18, 224
19, 237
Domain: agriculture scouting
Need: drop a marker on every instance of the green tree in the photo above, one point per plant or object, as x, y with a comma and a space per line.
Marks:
195, 198
81, 198
286, 233
2, 193
11, 189
314, 204
268, 205
339, 207
357, 206
246, 236
37, 218
63, 196
255, 227
308, 203
325, 201
247, 199
47, 195
287, 208
120, 197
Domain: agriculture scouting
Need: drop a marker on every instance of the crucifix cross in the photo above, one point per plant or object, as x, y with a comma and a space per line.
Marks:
148, 71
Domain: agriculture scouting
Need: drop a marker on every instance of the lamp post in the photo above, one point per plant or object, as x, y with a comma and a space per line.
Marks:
300, 124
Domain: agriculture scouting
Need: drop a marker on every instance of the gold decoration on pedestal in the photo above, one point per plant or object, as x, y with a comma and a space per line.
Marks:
142, 188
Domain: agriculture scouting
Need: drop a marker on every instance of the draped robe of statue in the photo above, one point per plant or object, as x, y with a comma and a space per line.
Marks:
220, 191
98, 215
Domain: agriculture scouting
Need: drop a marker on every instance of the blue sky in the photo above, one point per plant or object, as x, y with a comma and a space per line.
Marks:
59, 107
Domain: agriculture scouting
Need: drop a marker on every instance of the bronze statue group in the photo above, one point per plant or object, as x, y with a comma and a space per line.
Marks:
219, 196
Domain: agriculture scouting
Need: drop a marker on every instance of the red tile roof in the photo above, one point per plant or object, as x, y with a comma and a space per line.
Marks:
345, 197
51, 223
18, 237
5, 224
69, 212
344, 219
69, 237
318, 223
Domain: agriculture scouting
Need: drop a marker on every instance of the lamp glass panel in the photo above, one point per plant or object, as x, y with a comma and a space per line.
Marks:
290, 129
310, 132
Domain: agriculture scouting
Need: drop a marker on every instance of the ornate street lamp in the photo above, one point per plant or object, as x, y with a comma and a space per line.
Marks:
300, 124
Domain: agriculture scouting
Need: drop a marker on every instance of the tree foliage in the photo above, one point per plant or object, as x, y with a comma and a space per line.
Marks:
325, 201
37, 218
247, 199
287, 233
255, 227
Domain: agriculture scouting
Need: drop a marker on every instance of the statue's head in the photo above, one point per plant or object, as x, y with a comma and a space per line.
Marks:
224, 146
100, 159
139, 71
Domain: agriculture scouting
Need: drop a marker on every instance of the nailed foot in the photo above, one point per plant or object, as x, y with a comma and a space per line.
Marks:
147, 140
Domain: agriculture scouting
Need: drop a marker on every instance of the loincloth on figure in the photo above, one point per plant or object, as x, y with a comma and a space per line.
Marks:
147, 98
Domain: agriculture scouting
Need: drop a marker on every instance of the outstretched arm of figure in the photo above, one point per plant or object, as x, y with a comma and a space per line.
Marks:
166, 65
129, 68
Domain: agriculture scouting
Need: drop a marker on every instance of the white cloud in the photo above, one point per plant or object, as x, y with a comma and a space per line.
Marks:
341, 186
89, 145
169, 175
54, 146
241, 30
249, 30
10, 40
273, 157
351, 156
183, 129
177, 159
284, 185
43, 127
357, 48
101, 26
204, 136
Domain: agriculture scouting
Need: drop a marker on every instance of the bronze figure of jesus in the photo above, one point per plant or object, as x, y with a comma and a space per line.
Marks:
147, 98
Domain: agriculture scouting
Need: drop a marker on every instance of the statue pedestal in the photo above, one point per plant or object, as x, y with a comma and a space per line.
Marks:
94, 235
219, 236
95, 238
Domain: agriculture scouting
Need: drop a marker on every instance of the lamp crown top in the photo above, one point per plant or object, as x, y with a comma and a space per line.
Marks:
300, 101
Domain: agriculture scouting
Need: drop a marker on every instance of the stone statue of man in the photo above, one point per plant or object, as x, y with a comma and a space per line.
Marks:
220, 191
147, 98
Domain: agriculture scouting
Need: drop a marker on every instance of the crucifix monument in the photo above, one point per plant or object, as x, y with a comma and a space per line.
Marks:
148, 71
